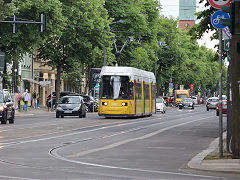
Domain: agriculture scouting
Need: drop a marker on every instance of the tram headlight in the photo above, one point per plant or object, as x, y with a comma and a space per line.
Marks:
124, 104
104, 103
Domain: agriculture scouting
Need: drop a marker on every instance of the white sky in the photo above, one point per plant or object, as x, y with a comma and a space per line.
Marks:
170, 8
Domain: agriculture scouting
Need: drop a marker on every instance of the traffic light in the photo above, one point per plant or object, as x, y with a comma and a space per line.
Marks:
234, 22
7, 1
42, 26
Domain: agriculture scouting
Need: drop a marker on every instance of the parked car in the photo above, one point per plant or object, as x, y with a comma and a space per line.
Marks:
211, 103
160, 105
224, 107
71, 106
53, 99
90, 103
186, 103
7, 110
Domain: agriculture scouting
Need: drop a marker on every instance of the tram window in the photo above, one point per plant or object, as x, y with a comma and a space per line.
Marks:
146, 92
115, 87
138, 89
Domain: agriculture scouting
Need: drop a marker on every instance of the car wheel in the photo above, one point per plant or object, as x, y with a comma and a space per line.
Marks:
11, 120
4, 118
217, 114
207, 109
57, 116
180, 107
62, 116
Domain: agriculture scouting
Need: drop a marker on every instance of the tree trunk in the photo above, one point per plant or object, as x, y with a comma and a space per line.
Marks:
59, 71
235, 74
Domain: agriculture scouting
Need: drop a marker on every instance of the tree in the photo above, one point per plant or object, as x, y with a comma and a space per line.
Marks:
83, 40
28, 37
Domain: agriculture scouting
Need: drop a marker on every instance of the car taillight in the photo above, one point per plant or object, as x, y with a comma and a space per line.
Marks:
208, 103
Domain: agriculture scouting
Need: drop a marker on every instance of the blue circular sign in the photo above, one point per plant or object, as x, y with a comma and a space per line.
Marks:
215, 20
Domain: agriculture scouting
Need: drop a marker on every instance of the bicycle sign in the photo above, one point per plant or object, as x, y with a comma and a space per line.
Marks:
218, 3
215, 20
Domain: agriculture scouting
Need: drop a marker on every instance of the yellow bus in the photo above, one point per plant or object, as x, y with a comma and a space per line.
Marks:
126, 92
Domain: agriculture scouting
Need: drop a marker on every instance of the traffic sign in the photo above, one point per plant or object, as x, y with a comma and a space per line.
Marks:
160, 43
215, 19
218, 3
226, 44
226, 31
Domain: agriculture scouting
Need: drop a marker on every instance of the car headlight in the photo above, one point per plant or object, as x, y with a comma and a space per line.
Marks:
59, 108
1, 108
76, 108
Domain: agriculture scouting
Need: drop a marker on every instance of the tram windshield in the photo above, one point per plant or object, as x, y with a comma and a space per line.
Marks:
115, 87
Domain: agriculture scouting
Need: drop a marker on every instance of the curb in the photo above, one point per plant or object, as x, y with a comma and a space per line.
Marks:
219, 165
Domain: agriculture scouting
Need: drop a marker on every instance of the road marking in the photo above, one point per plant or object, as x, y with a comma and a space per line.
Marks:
133, 139
18, 178
54, 153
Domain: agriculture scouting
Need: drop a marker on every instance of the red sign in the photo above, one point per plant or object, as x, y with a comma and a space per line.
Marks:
218, 3
191, 87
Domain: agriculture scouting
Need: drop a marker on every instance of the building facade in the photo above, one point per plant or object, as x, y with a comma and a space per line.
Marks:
187, 10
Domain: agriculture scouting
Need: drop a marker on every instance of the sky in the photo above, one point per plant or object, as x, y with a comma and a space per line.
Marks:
170, 8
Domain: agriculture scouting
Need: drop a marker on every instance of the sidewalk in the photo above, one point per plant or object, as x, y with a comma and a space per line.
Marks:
33, 111
217, 165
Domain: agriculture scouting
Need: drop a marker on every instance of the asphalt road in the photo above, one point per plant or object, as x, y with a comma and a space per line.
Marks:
40, 146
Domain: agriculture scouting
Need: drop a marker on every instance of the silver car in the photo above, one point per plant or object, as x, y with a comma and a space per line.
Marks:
160, 105
212, 103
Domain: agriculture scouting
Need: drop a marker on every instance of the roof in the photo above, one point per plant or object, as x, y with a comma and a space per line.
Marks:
132, 72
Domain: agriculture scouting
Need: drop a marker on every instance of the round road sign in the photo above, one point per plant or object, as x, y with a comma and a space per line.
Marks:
215, 19
218, 3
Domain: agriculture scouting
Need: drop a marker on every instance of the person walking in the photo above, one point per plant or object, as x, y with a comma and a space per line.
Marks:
34, 100
19, 99
25, 99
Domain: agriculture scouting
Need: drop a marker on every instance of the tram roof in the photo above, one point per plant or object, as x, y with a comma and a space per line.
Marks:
133, 73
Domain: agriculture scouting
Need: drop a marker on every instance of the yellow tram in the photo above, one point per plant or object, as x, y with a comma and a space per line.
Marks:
126, 92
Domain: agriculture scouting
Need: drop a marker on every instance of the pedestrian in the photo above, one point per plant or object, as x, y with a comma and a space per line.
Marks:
34, 100
19, 99
25, 99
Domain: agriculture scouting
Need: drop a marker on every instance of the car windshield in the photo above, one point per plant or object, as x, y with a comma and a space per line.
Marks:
70, 100
186, 100
213, 100
181, 96
1, 98
115, 87
159, 100
224, 102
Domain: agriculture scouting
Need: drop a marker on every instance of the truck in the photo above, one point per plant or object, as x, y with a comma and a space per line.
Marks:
180, 94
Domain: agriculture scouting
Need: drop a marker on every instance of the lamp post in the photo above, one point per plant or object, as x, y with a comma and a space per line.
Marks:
156, 53
138, 43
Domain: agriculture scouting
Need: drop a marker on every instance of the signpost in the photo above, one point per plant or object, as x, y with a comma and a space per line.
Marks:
215, 20
218, 3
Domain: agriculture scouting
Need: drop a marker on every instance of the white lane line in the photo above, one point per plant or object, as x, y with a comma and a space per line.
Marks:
75, 133
55, 154
18, 178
